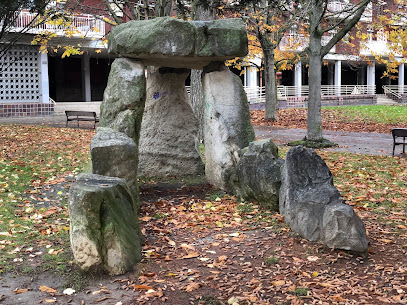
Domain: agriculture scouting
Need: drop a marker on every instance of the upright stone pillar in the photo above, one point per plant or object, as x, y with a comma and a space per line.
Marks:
124, 98
227, 126
122, 110
169, 127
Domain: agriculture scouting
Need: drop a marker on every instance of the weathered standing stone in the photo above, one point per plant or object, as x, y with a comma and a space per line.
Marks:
227, 126
114, 154
104, 230
169, 127
257, 175
124, 98
312, 205
170, 42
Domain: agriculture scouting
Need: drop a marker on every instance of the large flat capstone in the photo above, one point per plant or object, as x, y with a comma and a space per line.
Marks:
170, 42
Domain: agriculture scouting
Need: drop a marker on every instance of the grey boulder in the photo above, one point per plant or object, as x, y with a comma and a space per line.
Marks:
257, 175
171, 42
114, 154
104, 229
313, 207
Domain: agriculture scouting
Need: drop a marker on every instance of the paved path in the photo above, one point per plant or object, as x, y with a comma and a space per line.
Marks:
55, 121
353, 142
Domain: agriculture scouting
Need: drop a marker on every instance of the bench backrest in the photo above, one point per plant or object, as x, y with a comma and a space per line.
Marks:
399, 132
80, 113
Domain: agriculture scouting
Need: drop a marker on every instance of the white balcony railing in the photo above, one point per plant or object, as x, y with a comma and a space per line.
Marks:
293, 42
379, 47
347, 90
298, 42
84, 25
258, 94
394, 91
340, 6
326, 90
336, 6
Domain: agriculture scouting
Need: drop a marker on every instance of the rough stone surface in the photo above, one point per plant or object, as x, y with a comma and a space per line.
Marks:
124, 98
170, 42
169, 127
114, 154
104, 231
312, 205
227, 126
257, 175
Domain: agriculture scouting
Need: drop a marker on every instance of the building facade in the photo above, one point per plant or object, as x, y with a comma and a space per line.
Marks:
31, 81
350, 74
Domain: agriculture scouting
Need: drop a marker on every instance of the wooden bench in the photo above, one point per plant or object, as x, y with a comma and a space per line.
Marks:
89, 116
399, 138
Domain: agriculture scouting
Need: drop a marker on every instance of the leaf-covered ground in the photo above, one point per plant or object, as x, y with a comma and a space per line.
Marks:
201, 245
376, 118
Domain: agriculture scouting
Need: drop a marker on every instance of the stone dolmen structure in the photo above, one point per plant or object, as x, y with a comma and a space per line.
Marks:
147, 127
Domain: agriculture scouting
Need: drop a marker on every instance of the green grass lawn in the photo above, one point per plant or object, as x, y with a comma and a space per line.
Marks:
372, 113
34, 219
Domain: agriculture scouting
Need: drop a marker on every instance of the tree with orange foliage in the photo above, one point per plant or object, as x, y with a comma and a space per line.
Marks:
384, 40
10, 32
267, 23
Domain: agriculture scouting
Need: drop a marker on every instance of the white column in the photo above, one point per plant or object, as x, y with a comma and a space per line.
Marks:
245, 76
43, 77
371, 77
401, 78
338, 77
362, 76
86, 93
298, 78
251, 77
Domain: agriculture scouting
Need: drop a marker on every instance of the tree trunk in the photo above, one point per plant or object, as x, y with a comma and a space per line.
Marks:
270, 84
196, 96
314, 119
163, 8
197, 101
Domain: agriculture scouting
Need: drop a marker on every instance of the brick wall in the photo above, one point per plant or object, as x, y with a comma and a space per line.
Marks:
25, 109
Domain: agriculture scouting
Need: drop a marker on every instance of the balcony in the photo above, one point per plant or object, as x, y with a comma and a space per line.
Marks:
298, 42
84, 25
339, 6
257, 94
293, 42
